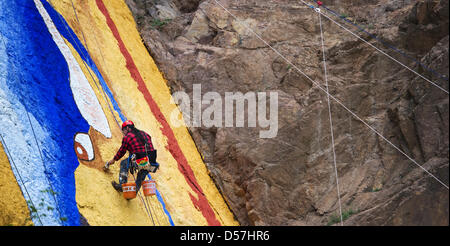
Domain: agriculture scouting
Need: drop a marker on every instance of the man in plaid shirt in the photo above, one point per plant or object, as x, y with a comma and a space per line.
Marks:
139, 144
130, 143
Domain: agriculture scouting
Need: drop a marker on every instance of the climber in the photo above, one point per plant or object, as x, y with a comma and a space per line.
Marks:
142, 155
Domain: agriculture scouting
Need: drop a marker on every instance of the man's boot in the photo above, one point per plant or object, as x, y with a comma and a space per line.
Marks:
117, 186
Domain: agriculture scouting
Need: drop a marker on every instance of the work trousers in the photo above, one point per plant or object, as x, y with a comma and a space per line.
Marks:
125, 165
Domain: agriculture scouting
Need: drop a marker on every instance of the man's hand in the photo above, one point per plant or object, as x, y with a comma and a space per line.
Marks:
106, 167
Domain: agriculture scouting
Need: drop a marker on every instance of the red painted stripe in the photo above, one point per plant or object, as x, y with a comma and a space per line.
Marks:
172, 145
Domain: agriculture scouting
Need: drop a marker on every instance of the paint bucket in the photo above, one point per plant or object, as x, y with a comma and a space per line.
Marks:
129, 190
149, 187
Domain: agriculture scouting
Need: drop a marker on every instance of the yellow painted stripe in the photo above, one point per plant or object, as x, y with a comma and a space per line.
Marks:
171, 183
13, 206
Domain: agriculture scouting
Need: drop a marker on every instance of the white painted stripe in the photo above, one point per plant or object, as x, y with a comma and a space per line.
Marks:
85, 141
16, 132
84, 95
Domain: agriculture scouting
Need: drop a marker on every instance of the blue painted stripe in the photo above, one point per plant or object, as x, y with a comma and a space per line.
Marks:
67, 32
161, 201
38, 77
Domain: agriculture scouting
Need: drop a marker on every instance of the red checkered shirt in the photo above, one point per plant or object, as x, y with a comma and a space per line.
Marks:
131, 143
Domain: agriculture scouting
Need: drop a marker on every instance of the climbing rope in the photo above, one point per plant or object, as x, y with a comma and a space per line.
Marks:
331, 96
93, 79
152, 209
444, 77
100, 50
82, 33
165, 219
147, 206
379, 50
100, 88
101, 54
149, 213
87, 47
46, 172
20, 178
329, 113
43, 163
161, 209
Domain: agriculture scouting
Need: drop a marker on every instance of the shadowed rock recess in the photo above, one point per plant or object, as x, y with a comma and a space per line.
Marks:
290, 179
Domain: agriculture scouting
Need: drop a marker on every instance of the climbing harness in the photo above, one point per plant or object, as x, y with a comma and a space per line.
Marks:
148, 187
145, 164
154, 166
335, 99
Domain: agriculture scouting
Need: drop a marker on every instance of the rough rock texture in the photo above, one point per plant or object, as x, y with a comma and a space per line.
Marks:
290, 179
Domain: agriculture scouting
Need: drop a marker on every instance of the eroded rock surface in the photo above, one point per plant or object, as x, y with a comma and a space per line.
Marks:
290, 179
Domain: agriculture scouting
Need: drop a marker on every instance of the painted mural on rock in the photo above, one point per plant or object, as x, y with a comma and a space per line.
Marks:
59, 109
46, 100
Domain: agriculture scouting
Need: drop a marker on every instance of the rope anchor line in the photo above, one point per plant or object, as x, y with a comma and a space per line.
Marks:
386, 44
379, 50
331, 96
10, 158
329, 113
146, 206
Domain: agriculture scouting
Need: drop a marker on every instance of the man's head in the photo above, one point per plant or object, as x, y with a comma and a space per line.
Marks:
127, 126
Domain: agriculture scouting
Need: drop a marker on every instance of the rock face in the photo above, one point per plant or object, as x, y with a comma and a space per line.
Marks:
290, 179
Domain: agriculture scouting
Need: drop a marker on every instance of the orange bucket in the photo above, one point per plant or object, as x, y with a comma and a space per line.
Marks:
129, 190
149, 187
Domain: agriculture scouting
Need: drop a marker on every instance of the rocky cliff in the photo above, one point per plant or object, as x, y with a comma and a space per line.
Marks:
71, 71
291, 179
